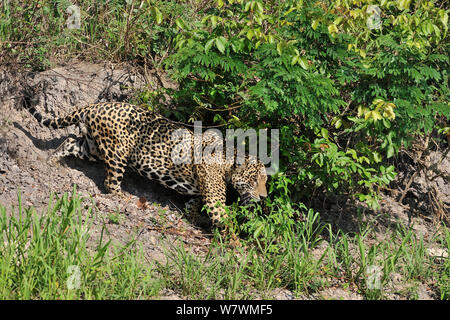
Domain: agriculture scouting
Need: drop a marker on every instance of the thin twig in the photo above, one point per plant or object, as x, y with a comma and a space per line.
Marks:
419, 156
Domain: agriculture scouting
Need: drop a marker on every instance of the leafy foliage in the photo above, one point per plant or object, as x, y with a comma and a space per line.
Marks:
260, 64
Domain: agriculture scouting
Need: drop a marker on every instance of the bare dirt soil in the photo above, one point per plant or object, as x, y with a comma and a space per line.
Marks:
152, 212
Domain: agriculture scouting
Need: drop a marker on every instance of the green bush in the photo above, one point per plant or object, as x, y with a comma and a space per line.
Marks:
266, 65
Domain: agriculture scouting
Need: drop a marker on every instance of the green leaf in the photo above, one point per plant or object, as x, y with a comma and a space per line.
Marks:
362, 53
259, 7
303, 63
280, 48
403, 4
209, 44
444, 18
376, 115
250, 34
338, 123
156, 14
247, 6
378, 101
258, 231
437, 31
220, 44
390, 151
159, 16
377, 157
180, 23
238, 45
332, 29
338, 20
214, 20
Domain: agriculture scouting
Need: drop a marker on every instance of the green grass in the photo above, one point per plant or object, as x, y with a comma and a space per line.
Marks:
51, 255
36, 34
283, 257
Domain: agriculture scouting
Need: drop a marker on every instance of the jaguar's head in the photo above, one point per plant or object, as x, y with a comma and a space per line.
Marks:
249, 179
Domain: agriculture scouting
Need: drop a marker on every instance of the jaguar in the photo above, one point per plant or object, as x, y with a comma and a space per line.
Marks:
125, 135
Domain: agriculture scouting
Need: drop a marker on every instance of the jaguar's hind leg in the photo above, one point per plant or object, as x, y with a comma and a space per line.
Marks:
78, 147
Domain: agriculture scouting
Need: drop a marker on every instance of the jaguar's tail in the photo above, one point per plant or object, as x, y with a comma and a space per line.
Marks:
61, 122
